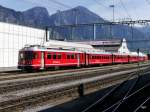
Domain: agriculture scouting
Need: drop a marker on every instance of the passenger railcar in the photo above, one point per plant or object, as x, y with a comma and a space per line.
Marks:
37, 57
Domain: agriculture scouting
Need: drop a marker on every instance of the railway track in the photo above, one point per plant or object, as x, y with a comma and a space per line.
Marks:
127, 100
134, 99
38, 74
22, 74
25, 100
144, 107
28, 83
62, 90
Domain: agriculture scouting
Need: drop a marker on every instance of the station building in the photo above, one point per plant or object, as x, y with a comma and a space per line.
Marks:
111, 45
14, 37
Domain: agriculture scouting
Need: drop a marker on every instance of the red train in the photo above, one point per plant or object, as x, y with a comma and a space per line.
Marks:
37, 57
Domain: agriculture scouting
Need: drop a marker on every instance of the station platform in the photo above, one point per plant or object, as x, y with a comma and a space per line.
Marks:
8, 69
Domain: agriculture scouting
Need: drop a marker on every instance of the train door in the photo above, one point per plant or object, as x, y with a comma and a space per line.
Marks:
87, 59
78, 60
42, 60
128, 59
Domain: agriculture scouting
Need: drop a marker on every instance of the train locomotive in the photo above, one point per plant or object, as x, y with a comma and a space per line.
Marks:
38, 57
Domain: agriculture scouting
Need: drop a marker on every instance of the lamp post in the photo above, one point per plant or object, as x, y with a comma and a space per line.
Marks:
113, 10
59, 17
113, 18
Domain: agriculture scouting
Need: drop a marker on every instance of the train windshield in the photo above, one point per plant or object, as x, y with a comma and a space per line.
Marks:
27, 55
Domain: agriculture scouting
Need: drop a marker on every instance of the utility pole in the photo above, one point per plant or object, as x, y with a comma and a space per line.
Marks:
76, 22
138, 52
76, 16
59, 17
113, 11
94, 30
113, 18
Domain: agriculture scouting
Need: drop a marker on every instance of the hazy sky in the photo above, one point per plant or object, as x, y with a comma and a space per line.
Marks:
137, 9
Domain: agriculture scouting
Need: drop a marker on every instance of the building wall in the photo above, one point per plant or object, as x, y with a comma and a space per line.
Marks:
14, 37
123, 48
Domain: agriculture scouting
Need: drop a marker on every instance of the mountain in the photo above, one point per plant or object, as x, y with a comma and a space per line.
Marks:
10, 16
39, 17
145, 30
35, 17
79, 15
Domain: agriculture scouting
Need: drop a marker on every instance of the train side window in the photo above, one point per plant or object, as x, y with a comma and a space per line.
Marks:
72, 56
48, 56
34, 56
54, 56
68, 56
59, 56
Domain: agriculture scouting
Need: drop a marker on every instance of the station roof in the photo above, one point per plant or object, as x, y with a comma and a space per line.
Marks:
55, 43
113, 42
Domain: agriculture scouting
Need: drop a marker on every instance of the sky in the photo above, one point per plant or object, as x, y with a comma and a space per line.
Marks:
124, 9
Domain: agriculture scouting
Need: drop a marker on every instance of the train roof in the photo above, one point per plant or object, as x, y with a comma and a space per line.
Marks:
88, 51
40, 48
65, 44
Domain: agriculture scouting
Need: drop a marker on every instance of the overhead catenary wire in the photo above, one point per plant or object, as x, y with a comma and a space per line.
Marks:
99, 3
60, 3
125, 9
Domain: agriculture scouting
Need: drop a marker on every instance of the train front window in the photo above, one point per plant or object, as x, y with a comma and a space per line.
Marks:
21, 56
30, 55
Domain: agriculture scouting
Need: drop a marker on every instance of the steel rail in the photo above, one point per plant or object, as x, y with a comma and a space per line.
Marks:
22, 102
113, 108
109, 94
9, 87
142, 104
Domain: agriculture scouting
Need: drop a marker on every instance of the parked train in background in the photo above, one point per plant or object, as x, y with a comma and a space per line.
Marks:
37, 57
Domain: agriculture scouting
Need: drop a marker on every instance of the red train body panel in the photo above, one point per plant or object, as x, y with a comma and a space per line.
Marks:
118, 58
41, 58
100, 59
